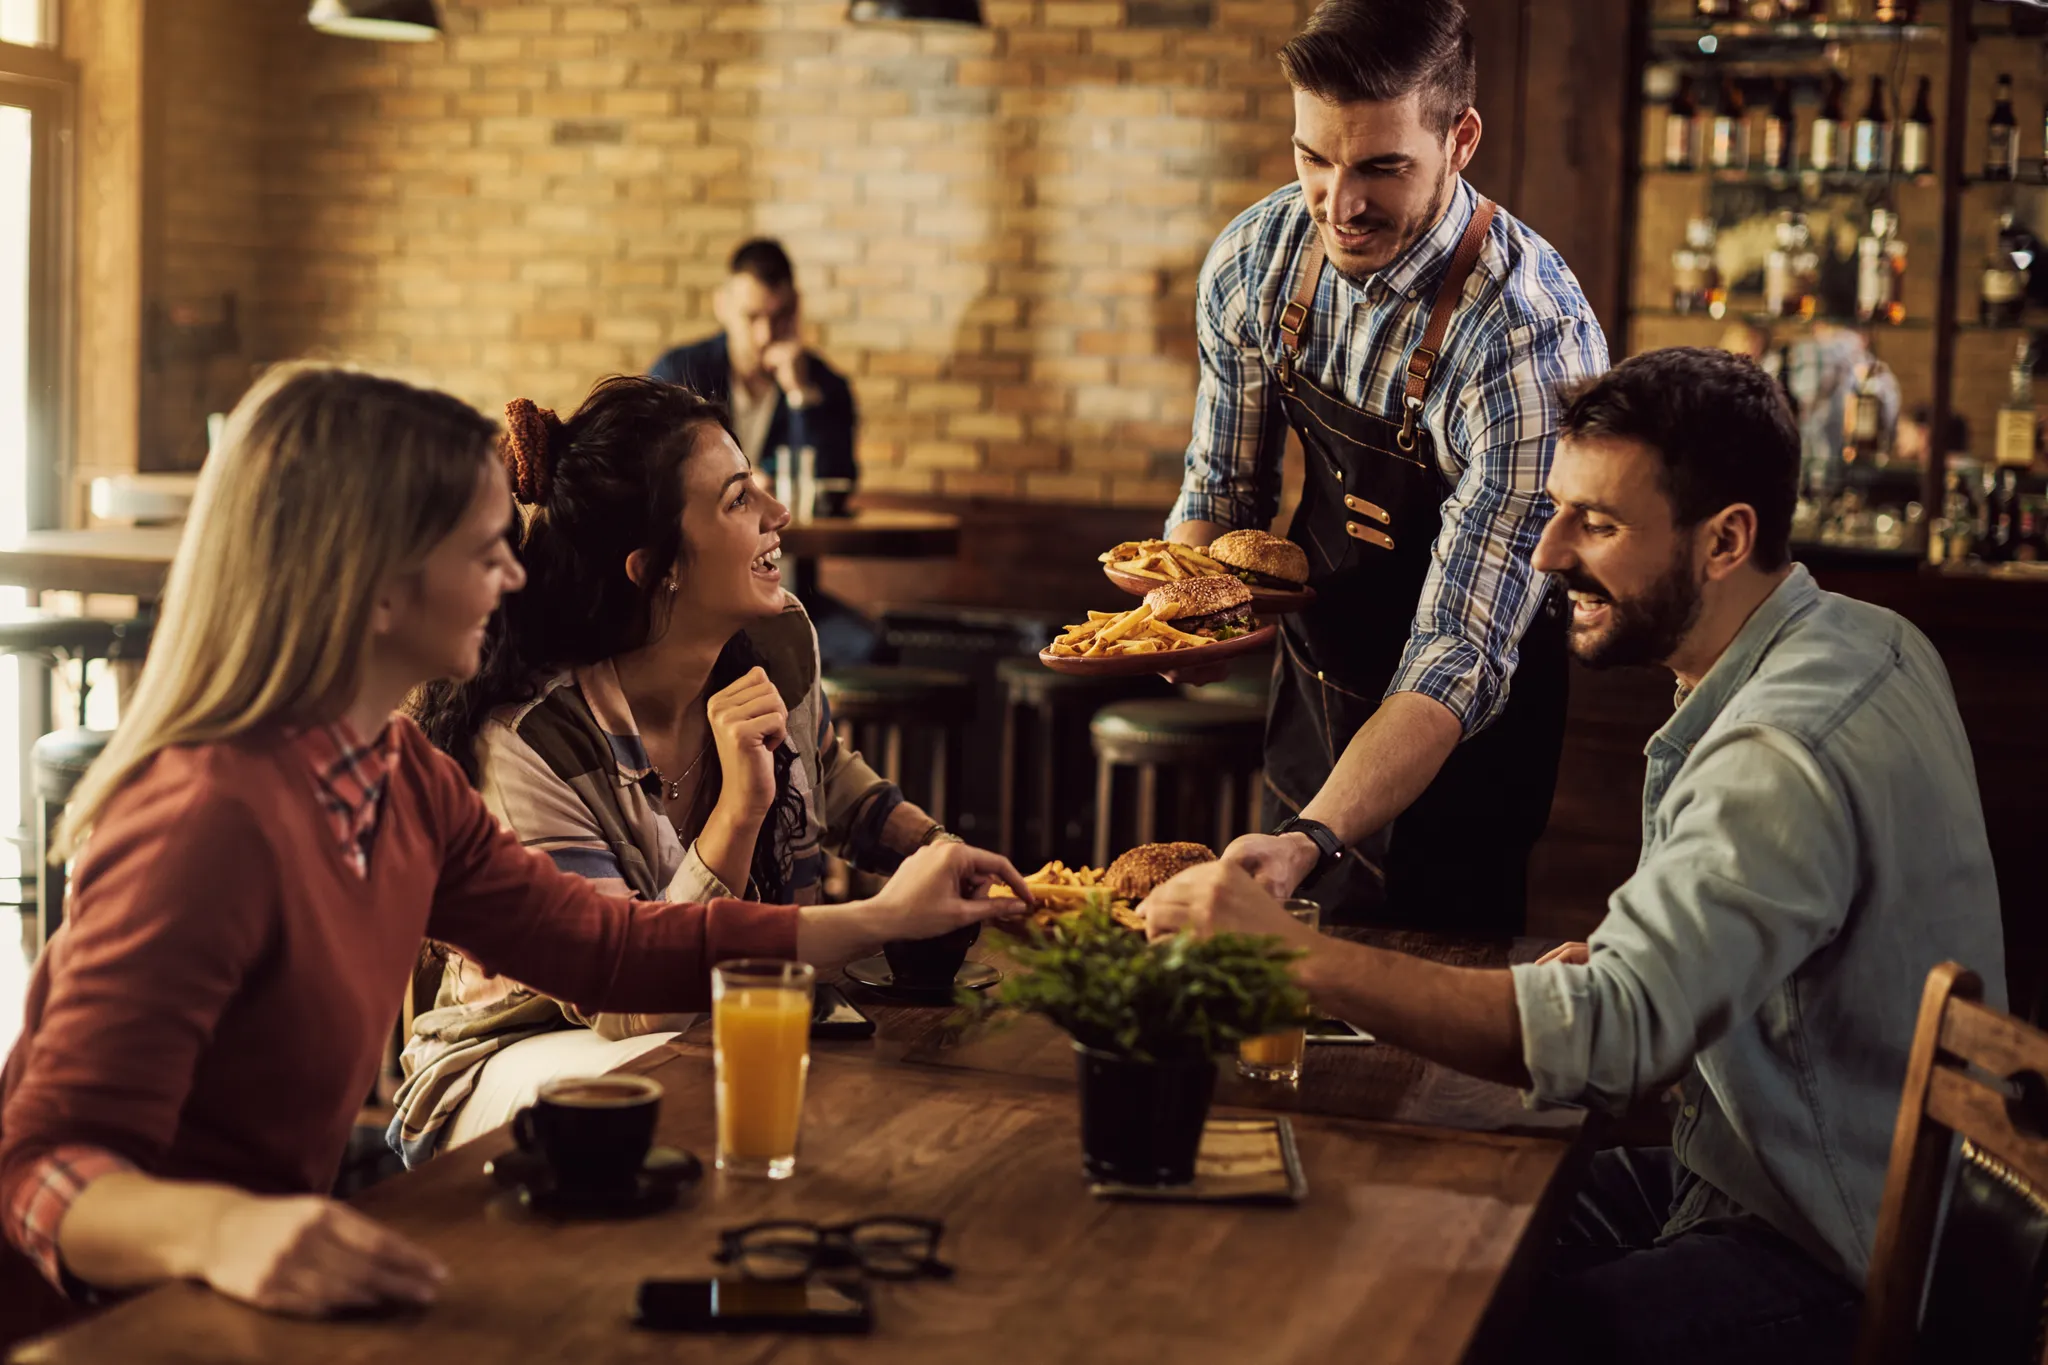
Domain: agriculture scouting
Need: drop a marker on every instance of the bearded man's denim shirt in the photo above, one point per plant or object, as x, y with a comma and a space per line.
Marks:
1813, 845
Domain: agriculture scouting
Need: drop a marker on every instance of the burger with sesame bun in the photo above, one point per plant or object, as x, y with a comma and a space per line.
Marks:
1138, 873
1215, 607
1262, 560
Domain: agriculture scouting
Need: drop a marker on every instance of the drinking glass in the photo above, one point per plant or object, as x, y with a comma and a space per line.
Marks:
1278, 1056
761, 1042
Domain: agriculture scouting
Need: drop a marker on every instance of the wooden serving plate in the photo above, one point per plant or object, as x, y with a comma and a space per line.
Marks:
1265, 601
1166, 661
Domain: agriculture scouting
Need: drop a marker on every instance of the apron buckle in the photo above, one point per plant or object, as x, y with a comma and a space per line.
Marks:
1286, 369
1405, 438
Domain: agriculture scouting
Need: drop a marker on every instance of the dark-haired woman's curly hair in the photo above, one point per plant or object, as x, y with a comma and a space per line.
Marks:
595, 488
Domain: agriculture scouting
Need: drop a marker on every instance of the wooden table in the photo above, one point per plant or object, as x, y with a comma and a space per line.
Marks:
867, 534
127, 561
1414, 1243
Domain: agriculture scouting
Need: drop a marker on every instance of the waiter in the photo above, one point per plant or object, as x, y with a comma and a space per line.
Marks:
1415, 338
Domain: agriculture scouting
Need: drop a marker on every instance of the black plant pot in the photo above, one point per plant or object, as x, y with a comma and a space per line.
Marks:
1141, 1122
930, 964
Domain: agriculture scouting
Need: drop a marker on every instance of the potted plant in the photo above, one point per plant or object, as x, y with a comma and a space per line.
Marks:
1148, 1021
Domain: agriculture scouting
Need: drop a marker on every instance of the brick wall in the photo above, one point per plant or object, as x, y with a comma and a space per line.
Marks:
203, 202
996, 231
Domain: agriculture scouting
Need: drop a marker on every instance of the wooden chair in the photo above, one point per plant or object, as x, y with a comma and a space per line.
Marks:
1981, 1076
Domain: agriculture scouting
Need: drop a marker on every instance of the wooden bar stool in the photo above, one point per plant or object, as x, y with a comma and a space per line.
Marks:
58, 761
1250, 684
56, 641
1046, 810
1213, 754
875, 707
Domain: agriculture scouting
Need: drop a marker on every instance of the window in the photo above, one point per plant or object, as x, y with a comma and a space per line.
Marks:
36, 94
26, 22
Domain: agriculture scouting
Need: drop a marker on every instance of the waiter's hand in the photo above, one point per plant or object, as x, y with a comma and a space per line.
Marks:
1277, 862
1216, 898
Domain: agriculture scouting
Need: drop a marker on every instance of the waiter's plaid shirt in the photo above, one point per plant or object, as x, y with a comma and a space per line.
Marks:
1522, 332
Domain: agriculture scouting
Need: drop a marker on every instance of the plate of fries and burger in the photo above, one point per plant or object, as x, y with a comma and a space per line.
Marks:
1183, 624
1273, 568
1060, 890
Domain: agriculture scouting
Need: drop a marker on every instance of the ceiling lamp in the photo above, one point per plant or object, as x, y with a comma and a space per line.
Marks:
390, 21
916, 11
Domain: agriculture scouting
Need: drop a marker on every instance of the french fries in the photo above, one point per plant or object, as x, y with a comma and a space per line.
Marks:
1161, 560
1062, 890
1141, 630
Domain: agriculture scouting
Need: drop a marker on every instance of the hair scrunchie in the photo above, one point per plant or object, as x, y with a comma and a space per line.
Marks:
528, 448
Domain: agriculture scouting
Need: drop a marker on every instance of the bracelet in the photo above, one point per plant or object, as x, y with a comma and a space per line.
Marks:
937, 833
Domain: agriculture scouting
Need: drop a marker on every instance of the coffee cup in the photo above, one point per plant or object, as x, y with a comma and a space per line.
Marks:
930, 964
594, 1132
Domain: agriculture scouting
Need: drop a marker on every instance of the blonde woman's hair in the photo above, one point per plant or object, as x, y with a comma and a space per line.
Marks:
327, 481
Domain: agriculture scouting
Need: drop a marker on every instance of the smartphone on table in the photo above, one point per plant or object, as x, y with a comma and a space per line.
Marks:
834, 1016
742, 1305
1337, 1031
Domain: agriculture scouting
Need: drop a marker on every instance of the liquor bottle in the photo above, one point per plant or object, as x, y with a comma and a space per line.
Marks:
1872, 154
2002, 140
1953, 537
1682, 129
2002, 297
1695, 276
1825, 152
1779, 130
2014, 443
1728, 148
1797, 9
1897, 11
2001, 540
1778, 295
1916, 138
1863, 417
1714, 9
1880, 266
2028, 550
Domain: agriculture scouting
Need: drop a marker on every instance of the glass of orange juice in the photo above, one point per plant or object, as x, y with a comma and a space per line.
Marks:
1278, 1056
761, 1040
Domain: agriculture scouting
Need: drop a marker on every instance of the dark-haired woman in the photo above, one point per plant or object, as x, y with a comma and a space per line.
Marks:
649, 716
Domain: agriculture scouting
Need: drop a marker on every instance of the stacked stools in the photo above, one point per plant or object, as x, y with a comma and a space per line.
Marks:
57, 642
1210, 754
58, 761
877, 708
1047, 807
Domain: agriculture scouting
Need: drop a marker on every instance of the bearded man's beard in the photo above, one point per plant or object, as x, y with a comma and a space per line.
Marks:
1644, 629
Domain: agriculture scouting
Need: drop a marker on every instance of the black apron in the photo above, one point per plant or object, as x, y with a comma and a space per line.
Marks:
1456, 860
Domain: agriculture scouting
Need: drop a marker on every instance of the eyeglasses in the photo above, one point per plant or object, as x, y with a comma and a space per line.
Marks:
887, 1248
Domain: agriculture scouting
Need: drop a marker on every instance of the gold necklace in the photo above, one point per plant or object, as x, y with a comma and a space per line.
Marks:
674, 790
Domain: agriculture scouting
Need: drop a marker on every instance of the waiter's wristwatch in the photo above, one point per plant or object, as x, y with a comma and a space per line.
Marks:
1329, 848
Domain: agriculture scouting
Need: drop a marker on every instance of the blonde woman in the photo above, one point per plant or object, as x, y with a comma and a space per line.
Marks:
269, 844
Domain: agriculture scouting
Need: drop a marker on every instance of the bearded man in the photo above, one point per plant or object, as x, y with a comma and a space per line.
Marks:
1415, 338
1812, 846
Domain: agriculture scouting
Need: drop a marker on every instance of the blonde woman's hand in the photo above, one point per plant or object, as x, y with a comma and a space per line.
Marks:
309, 1256
748, 722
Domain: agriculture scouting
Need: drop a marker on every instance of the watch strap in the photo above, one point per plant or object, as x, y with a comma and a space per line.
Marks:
1329, 848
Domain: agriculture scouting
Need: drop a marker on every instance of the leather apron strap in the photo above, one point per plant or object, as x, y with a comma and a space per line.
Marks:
1422, 361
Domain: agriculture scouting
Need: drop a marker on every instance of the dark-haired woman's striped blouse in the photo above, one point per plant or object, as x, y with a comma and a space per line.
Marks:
568, 774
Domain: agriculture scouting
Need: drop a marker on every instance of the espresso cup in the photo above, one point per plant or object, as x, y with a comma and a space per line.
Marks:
593, 1131
930, 964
